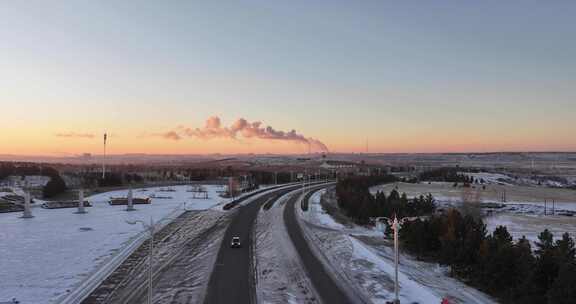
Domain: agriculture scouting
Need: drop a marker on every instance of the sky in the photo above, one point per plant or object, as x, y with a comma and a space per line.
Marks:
382, 76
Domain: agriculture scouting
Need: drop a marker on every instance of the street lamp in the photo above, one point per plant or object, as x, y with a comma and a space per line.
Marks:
304, 180
151, 227
396, 224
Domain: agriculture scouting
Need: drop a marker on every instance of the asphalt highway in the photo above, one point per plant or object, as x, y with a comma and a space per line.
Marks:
323, 282
232, 280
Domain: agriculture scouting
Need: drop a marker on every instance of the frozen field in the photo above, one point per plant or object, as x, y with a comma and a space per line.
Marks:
531, 226
53, 252
493, 193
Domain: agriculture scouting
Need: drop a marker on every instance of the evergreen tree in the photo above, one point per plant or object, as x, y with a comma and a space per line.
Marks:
546, 267
502, 236
55, 186
563, 290
565, 249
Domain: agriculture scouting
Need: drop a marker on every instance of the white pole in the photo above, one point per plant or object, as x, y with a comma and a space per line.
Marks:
104, 158
303, 180
81, 202
395, 223
130, 199
27, 207
150, 261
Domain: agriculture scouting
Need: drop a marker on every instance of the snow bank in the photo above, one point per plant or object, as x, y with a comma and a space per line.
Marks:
281, 278
316, 213
410, 291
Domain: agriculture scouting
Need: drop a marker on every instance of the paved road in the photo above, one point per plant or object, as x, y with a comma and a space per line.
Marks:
232, 280
128, 283
327, 289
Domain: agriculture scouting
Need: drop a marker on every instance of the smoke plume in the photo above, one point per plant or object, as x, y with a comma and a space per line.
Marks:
75, 135
245, 129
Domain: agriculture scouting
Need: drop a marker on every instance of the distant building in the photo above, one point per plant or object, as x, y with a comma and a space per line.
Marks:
28, 181
335, 164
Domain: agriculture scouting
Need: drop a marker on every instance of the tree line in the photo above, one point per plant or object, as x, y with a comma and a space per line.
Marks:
509, 270
355, 199
446, 174
55, 185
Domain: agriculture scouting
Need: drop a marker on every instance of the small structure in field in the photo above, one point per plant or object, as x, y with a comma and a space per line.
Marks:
117, 201
199, 192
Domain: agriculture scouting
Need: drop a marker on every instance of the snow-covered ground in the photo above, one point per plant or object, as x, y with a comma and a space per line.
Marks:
48, 255
365, 261
281, 278
446, 192
317, 214
531, 225
491, 178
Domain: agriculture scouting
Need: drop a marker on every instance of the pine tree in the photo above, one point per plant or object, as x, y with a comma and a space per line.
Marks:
563, 290
502, 236
565, 249
545, 243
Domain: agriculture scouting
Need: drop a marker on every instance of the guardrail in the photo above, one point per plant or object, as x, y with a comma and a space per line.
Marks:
88, 285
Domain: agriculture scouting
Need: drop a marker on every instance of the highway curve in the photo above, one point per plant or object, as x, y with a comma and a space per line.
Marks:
232, 280
323, 282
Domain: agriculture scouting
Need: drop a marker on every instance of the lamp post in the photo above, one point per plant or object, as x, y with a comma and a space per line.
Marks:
396, 224
304, 181
151, 227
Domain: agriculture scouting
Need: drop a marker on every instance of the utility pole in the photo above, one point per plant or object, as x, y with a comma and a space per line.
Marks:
104, 157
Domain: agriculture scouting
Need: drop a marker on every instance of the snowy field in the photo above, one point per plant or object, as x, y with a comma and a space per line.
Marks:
46, 256
491, 178
531, 226
365, 261
445, 192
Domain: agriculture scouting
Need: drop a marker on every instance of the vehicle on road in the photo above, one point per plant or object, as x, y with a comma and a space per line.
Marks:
235, 242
